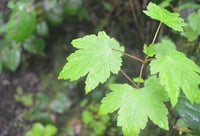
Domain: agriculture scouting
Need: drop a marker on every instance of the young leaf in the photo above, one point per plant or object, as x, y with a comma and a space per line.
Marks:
138, 80
176, 71
136, 106
95, 57
149, 50
172, 20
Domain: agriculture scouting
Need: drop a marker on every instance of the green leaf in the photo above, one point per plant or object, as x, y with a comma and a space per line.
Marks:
60, 104
176, 71
190, 33
193, 19
73, 7
192, 29
172, 20
138, 80
21, 23
36, 130
95, 57
34, 44
42, 29
136, 106
50, 130
149, 50
11, 58
190, 113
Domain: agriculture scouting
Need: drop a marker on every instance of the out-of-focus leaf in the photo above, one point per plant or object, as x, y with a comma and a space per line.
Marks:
25, 99
42, 29
34, 45
60, 104
36, 130
55, 16
11, 58
165, 3
41, 100
50, 130
192, 29
21, 23
190, 33
190, 113
72, 7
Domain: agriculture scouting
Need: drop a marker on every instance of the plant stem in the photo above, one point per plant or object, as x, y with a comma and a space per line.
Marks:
140, 75
134, 84
129, 55
156, 34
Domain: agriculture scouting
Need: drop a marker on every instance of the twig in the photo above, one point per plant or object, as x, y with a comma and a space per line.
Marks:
129, 55
140, 75
134, 84
156, 34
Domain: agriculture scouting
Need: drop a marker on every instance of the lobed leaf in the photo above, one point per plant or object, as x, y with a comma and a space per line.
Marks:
170, 19
136, 106
95, 58
176, 72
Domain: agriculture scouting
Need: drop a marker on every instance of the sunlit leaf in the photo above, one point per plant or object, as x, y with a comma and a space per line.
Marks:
176, 72
136, 106
95, 58
170, 19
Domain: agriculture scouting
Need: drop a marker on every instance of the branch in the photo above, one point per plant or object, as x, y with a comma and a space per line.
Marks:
140, 75
154, 38
129, 79
129, 55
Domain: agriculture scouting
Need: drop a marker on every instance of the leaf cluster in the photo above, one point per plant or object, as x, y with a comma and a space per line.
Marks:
170, 72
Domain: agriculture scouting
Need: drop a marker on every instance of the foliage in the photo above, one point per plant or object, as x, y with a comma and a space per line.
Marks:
45, 108
28, 26
170, 72
25, 99
92, 121
40, 130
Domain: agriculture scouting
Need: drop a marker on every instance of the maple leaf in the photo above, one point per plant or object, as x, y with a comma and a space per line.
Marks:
172, 20
176, 71
136, 106
95, 58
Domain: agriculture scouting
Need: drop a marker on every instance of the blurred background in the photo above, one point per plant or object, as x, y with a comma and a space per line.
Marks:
35, 38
